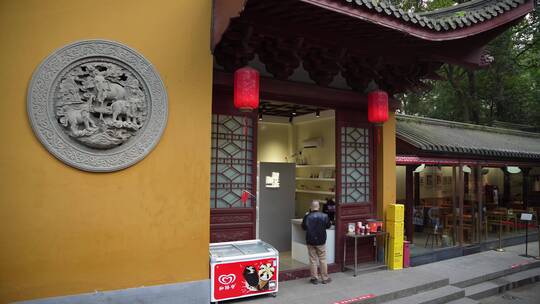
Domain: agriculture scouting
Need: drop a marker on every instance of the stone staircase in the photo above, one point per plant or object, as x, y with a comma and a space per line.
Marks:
462, 280
467, 291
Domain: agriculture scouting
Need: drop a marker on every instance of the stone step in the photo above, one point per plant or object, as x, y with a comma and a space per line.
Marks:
366, 268
501, 284
532, 264
398, 294
436, 296
464, 301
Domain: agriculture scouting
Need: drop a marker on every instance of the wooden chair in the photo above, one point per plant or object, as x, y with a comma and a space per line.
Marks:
434, 234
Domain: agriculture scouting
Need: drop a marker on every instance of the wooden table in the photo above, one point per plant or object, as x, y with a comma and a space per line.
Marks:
359, 236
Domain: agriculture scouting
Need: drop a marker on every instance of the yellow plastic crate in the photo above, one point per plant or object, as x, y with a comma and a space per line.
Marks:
395, 229
395, 246
395, 254
395, 263
395, 243
395, 212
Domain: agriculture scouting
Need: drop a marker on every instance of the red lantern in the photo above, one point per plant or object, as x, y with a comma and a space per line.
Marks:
377, 107
246, 89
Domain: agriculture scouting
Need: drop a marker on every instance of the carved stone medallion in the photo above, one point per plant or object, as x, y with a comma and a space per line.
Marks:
97, 105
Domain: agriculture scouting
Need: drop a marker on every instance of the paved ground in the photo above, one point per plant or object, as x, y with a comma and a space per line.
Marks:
528, 294
344, 286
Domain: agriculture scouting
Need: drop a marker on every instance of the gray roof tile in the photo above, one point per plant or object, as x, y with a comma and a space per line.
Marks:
446, 19
441, 136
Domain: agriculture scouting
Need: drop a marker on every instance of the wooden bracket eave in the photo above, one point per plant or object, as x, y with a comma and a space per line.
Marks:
222, 12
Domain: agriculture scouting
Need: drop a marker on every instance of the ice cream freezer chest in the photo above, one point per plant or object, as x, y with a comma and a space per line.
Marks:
242, 269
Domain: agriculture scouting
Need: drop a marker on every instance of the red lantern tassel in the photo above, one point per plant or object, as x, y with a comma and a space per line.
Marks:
244, 198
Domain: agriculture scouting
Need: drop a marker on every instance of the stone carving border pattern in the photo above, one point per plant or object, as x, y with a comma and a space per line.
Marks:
41, 91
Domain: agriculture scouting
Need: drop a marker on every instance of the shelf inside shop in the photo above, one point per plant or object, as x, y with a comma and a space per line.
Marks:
315, 192
317, 179
316, 166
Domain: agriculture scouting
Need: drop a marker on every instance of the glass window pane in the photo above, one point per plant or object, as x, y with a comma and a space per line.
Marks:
355, 165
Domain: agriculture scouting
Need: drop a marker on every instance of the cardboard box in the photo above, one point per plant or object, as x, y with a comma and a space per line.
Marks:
395, 212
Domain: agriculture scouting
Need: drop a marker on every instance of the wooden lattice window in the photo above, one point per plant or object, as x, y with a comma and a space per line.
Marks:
232, 161
355, 169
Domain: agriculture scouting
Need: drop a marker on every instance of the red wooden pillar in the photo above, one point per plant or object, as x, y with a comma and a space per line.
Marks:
480, 205
455, 203
409, 202
507, 188
461, 194
525, 191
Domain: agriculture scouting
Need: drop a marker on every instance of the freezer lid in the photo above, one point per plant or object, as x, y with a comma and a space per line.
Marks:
225, 251
255, 248
241, 249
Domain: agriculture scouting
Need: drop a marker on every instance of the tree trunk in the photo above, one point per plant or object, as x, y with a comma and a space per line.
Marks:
474, 106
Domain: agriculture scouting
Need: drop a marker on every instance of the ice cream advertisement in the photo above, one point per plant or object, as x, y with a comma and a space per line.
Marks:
239, 279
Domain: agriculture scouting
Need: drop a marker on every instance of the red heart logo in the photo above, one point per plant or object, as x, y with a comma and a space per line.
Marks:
227, 279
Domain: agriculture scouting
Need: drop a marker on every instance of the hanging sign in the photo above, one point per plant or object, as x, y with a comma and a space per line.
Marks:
272, 181
526, 217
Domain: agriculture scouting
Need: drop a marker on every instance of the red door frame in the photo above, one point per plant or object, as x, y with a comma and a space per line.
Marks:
240, 223
354, 212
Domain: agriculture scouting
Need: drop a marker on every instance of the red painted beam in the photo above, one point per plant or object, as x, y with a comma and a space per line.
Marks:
301, 93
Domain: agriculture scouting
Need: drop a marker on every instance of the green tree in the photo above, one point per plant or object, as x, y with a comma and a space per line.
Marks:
507, 90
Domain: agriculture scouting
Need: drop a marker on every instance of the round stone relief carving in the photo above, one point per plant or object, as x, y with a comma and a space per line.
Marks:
97, 105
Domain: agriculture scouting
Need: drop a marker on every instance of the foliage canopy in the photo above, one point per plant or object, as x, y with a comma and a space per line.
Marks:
508, 90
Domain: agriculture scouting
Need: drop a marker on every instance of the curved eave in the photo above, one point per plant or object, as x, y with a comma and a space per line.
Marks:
397, 24
427, 146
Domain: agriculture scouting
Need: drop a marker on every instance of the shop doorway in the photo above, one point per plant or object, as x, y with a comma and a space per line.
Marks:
347, 175
296, 154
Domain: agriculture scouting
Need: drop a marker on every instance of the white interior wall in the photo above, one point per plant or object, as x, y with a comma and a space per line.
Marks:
279, 140
273, 142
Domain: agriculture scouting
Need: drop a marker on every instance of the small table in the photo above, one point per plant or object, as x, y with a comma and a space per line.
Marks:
384, 234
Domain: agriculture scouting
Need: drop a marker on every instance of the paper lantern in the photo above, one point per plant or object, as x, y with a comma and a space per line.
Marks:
246, 89
377, 107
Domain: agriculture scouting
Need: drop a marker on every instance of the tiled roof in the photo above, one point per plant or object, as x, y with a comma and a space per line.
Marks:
446, 19
441, 136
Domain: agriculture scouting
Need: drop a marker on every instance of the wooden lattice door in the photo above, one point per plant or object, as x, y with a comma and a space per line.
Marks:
233, 171
355, 179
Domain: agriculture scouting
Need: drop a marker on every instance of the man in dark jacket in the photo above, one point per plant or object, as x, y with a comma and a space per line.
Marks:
315, 224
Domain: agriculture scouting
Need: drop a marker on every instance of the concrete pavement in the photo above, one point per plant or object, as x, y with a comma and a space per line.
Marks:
529, 294
444, 281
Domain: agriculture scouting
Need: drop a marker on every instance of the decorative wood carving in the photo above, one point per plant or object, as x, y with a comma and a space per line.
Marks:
228, 235
234, 51
358, 72
355, 211
232, 224
370, 37
322, 64
231, 218
280, 56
